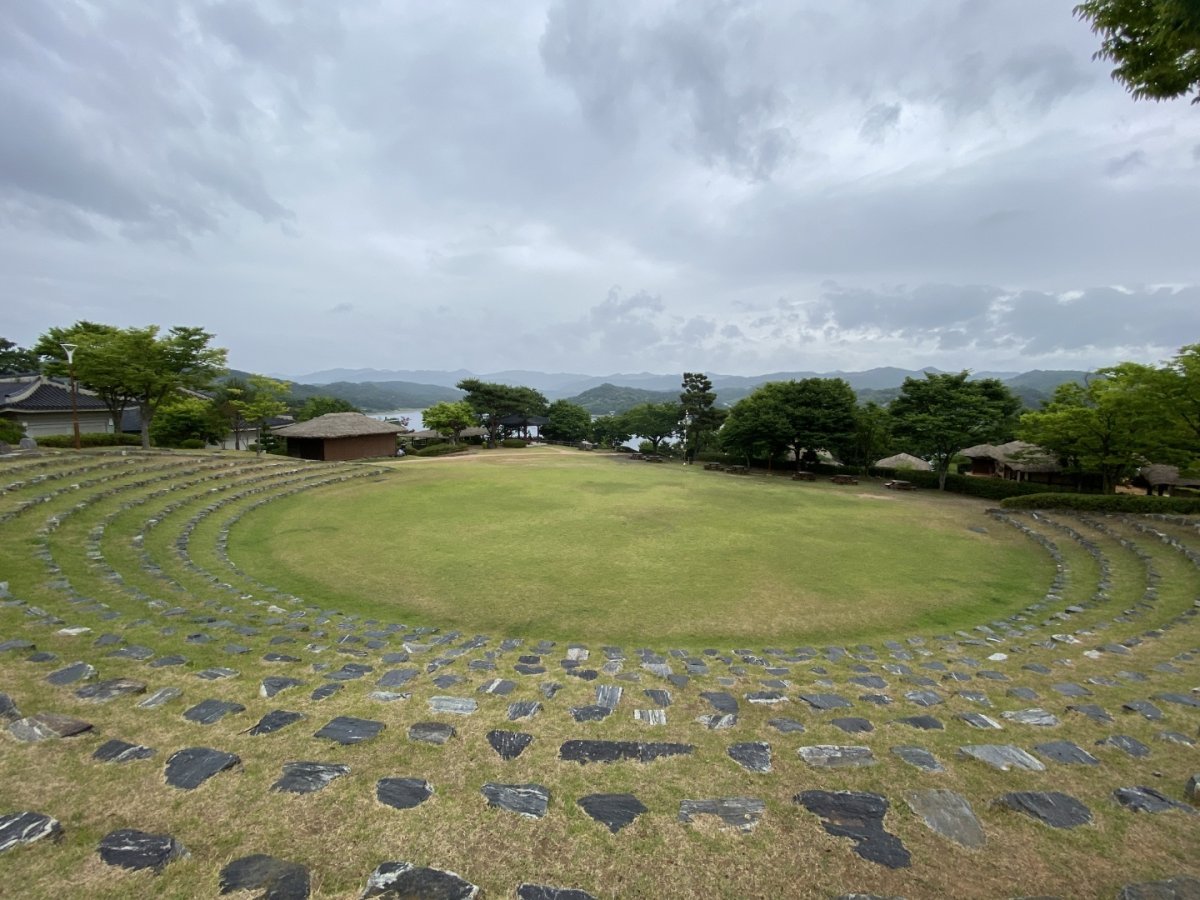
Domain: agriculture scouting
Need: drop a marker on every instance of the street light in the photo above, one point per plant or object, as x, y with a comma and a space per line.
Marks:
69, 349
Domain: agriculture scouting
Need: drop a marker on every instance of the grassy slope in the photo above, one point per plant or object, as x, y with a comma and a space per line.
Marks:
573, 546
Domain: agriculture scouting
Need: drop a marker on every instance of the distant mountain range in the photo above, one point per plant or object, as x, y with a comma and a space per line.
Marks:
375, 390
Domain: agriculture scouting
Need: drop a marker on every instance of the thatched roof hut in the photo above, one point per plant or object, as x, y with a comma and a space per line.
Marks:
904, 461
340, 436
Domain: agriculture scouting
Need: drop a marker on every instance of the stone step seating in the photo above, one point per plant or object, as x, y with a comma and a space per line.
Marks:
772, 691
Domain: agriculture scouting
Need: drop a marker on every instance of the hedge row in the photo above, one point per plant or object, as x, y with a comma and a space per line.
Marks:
514, 443
440, 450
1122, 503
987, 488
90, 439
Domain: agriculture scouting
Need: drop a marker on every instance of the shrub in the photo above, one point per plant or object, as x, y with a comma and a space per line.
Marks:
972, 486
90, 439
11, 432
1123, 503
440, 450
192, 444
514, 443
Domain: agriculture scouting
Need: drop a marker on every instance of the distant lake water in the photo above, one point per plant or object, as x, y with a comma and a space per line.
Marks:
415, 422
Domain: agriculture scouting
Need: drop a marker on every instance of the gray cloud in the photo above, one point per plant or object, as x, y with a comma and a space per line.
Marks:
778, 186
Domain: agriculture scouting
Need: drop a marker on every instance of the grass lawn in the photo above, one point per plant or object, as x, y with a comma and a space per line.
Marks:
544, 542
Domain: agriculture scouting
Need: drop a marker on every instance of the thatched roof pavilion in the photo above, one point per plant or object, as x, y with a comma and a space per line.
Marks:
904, 461
340, 436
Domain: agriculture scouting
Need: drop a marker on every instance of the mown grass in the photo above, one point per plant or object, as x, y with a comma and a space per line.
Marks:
574, 546
342, 833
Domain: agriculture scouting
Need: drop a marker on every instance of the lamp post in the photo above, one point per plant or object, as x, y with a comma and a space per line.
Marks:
69, 349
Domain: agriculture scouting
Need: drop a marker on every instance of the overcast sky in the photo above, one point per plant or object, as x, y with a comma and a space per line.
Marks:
595, 187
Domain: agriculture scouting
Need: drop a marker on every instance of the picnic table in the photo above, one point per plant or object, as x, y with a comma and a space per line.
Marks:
804, 476
898, 485
843, 479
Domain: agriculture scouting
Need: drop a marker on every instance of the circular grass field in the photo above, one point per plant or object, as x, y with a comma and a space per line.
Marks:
558, 544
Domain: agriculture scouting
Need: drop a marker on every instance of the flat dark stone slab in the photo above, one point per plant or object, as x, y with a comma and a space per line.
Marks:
308, 777
1178, 699
1066, 752
1091, 710
160, 697
397, 677
431, 732
922, 723
1132, 746
273, 684
1053, 808
26, 828
721, 701
924, 698
785, 725
754, 756
853, 724
1182, 887
591, 713
103, 691
275, 720
166, 661
1002, 757
509, 744
403, 793
217, 673
131, 849
459, 706
742, 813
8, 709
523, 709
188, 769
615, 811
206, 712
278, 880
529, 800
825, 701
1148, 800
546, 892
584, 752
349, 672
659, 697
404, 880
325, 691
829, 756
858, 816
76, 671
347, 730
280, 658
1070, 689
919, 758
121, 751
948, 814
1144, 708
46, 726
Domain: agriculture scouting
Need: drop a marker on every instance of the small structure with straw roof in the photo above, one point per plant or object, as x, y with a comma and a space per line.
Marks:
340, 436
904, 461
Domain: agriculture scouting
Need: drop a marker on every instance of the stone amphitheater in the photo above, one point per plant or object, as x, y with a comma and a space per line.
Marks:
172, 726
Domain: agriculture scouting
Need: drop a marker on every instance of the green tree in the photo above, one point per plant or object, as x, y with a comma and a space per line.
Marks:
936, 416
1110, 426
187, 418
568, 422
654, 422
99, 362
261, 399
321, 405
1154, 43
872, 435
699, 413
821, 413
610, 431
1178, 385
757, 425
16, 360
10, 432
449, 418
492, 402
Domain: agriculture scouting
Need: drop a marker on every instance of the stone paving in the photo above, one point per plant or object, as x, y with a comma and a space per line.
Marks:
850, 711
